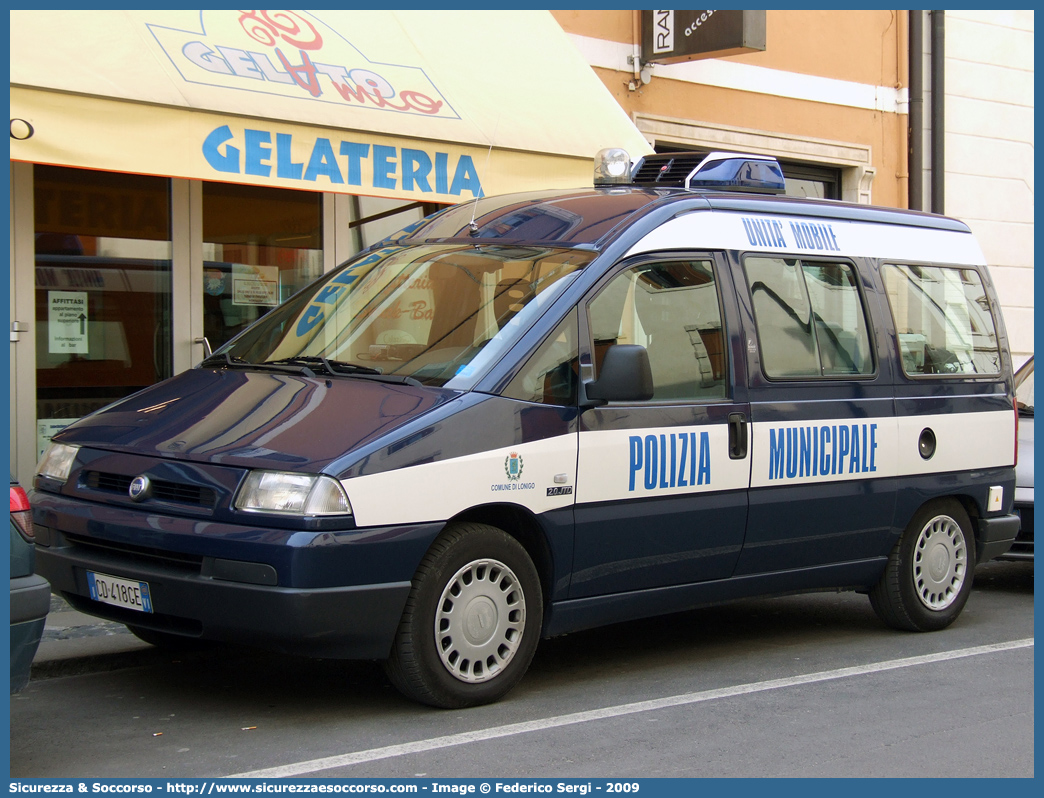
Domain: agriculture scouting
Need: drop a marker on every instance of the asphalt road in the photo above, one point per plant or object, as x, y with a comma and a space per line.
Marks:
808, 685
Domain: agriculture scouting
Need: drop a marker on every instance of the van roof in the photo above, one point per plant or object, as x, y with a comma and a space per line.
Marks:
588, 217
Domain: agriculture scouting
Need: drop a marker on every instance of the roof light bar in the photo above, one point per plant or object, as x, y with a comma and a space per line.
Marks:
721, 171
612, 167
737, 171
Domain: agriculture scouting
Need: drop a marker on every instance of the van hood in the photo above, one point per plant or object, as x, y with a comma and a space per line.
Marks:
254, 419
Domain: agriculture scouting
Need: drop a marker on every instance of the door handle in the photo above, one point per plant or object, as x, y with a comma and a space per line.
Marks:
207, 351
737, 436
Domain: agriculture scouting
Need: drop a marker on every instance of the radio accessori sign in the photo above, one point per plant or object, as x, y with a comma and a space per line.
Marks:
669, 37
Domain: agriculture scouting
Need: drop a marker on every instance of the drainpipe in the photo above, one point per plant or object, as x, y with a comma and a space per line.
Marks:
915, 139
938, 111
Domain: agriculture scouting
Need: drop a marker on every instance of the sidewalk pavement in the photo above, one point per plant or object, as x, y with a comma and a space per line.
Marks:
74, 643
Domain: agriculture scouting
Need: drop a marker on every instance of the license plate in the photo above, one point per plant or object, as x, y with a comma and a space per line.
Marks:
126, 593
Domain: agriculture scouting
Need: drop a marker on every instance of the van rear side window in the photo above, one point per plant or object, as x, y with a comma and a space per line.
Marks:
810, 318
943, 319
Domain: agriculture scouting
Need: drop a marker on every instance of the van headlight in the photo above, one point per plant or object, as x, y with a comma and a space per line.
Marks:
57, 461
292, 494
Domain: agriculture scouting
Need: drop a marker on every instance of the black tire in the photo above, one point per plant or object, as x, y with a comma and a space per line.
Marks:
168, 640
464, 664
930, 571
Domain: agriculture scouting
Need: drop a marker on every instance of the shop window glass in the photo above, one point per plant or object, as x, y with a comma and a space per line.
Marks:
943, 319
260, 246
672, 310
103, 290
377, 218
811, 180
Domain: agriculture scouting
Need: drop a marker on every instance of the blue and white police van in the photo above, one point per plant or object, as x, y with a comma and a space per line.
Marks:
535, 414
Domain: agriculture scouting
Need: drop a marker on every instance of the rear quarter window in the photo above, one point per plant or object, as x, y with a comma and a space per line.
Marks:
943, 320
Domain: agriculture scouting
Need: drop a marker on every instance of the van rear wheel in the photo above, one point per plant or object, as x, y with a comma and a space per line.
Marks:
471, 622
929, 573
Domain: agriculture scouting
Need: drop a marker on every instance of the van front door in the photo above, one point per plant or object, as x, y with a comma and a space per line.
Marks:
662, 484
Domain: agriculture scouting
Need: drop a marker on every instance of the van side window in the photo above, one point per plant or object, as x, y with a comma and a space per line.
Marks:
672, 309
810, 318
551, 375
943, 319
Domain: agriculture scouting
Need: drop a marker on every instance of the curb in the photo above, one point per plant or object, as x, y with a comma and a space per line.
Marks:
91, 663
76, 643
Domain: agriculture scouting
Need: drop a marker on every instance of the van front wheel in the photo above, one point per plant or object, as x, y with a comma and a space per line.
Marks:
471, 622
929, 573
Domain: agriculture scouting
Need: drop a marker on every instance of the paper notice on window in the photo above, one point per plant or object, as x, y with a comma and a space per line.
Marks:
67, 322
255, 285
47, 428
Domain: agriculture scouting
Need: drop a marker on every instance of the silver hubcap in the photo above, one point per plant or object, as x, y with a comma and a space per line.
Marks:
480, 620
940, 563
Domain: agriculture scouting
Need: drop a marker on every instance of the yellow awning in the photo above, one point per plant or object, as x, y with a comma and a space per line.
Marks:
422, 105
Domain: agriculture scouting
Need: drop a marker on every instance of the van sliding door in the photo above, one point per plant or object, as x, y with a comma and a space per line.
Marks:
821, 419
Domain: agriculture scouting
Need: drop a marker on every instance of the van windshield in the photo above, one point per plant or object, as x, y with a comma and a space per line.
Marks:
438, 314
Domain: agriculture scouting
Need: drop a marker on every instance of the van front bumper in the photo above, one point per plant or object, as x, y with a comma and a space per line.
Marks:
333, 594
356, 622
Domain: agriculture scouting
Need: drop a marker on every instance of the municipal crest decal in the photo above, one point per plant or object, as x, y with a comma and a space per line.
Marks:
513, 466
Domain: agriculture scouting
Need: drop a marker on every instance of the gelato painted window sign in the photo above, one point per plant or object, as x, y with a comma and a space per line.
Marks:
294, 54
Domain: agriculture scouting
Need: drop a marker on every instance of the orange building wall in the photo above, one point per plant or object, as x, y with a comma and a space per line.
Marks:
865, 47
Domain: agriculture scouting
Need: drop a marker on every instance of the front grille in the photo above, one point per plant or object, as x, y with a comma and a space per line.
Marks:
111, 483
142, 554
161, 490
186, 494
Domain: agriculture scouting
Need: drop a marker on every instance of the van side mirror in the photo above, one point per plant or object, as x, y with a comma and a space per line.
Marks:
625, 376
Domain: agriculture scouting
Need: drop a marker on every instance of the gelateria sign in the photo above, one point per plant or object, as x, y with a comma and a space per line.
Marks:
420, 105
332, 163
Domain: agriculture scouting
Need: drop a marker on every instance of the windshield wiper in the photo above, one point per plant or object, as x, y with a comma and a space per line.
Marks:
225, 360
340, 368
329, 366
308, 365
